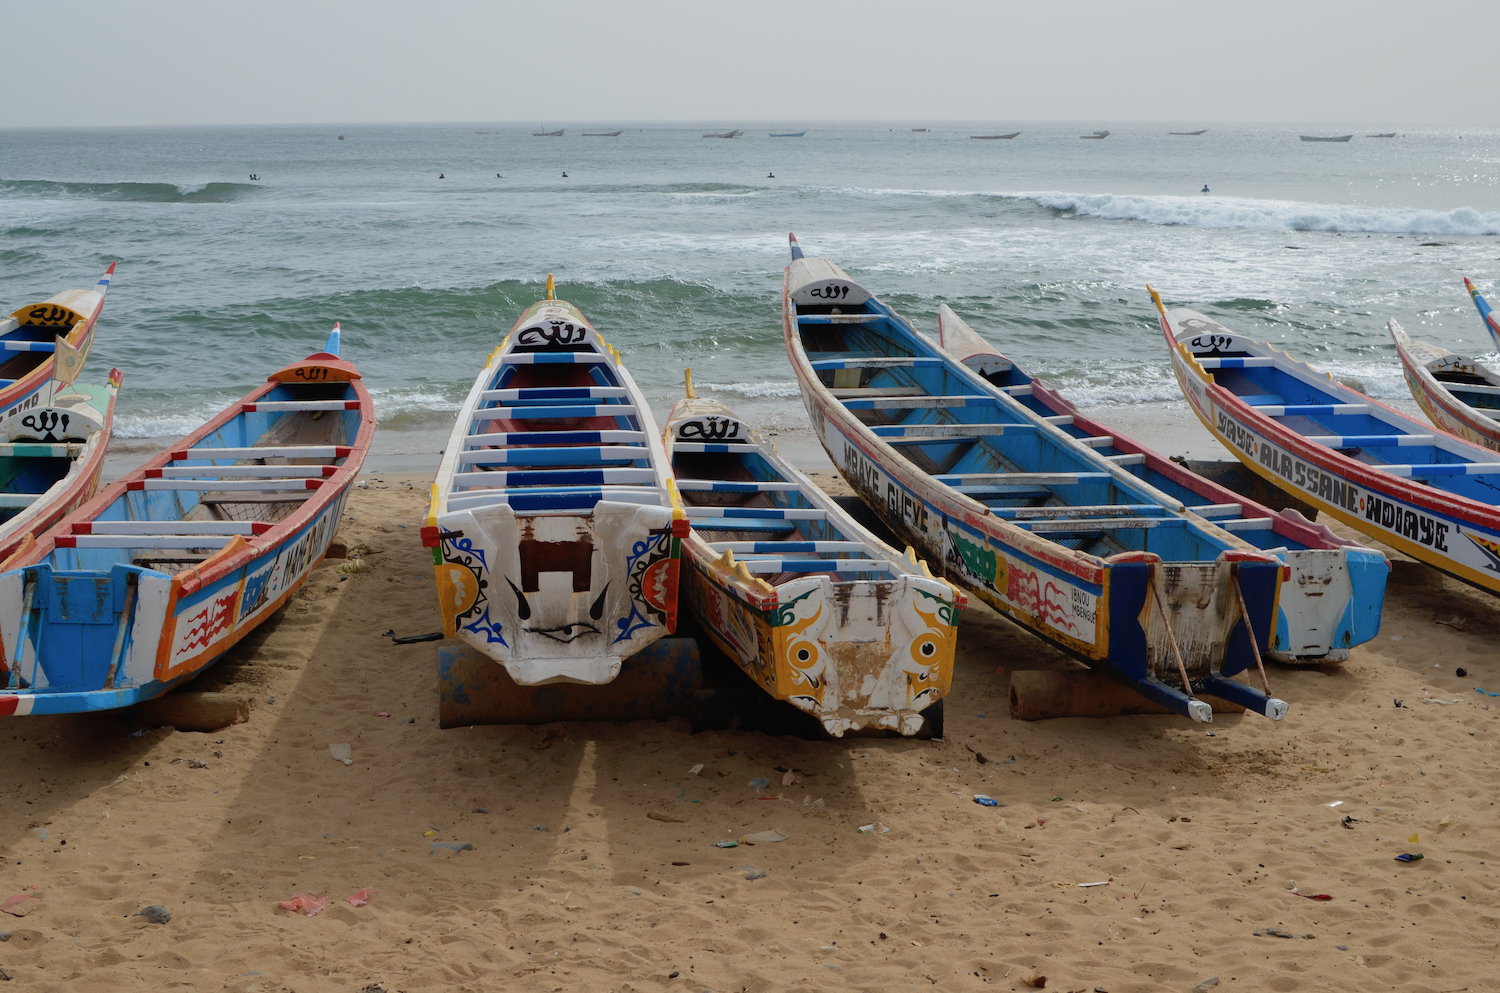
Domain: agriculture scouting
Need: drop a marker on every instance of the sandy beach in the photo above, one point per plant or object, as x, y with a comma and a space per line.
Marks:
582, 856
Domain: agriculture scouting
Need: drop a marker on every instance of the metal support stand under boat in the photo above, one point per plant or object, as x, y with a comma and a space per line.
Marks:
657, 682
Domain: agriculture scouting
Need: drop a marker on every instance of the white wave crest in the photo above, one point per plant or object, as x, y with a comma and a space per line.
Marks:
771, 389
1268, 215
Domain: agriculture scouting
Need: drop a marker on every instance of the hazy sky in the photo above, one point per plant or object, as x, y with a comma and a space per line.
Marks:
91, 62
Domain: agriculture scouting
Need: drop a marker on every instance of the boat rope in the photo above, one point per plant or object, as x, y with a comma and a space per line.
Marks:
1245, 615
1161, 608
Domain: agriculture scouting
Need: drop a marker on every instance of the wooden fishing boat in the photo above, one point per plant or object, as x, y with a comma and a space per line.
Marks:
788, 134
724, 134
1372, 467
50, 459
547, 134
1455, 392
155, 578
555, 528
1096, 136
37, 336
1342, 137
1491, 324
602, 134
812, 606
994, 137
1388, 134
1333, 590
1061, 540
1188, 134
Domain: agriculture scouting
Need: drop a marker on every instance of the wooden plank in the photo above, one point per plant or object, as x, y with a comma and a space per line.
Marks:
172, 527
266, 452
538, 413
273, 406
859, 392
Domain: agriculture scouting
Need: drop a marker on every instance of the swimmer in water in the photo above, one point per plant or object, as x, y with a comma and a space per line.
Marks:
441, 176
498, 176
565, 175
770, 175
1205, 187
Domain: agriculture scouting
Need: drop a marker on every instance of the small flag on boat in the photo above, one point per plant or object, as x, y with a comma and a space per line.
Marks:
67, 363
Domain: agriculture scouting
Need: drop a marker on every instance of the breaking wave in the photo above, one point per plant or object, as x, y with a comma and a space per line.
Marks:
1266, 215
127, 192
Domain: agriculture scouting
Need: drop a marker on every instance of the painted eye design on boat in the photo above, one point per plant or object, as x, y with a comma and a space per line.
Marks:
928, 649
803, 655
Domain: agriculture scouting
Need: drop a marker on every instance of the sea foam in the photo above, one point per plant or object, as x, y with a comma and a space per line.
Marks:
1267, 215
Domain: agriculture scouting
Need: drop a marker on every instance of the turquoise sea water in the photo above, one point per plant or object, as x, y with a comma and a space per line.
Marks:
674, 246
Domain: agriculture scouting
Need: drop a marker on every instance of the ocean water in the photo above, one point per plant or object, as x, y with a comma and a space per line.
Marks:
674, 246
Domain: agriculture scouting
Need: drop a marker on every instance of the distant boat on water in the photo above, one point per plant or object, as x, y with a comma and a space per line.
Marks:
724, 134
1391, 135
602, 134
1096, 136
920, 130
788, 134
1342, 137
993, 137
547, 134
1188, 134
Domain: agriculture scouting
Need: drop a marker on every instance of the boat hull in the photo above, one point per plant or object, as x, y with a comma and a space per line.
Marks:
867, 649
557, 581
1458, 536
172, 635
78, 634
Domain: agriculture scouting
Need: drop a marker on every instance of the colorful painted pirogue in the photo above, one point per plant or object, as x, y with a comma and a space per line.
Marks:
161, 573
1056, 537
1455, 392
1429, 495
554, 525
815, 609
1333, 590
39, 336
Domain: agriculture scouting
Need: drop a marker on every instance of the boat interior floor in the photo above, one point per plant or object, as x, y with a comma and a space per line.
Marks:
753, 537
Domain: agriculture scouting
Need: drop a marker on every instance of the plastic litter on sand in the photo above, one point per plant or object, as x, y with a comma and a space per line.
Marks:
310, 905
341, 753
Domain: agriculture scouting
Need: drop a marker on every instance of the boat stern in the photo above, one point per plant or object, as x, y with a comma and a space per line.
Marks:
558, 597
1194, 619
77, 641
869, 654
